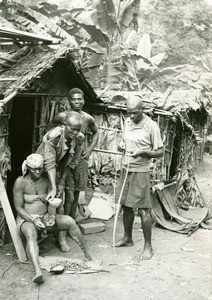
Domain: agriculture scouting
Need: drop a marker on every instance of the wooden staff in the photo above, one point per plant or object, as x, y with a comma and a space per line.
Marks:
118, 205
11, 223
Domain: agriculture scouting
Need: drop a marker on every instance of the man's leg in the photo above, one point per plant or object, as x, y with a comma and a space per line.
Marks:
80, 184
32, 250
146, 220
74, 205
66, 209
128, 219
69, 200
68, 224
64, 247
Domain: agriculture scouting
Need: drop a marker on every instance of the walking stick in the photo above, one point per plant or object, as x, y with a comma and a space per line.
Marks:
118, 204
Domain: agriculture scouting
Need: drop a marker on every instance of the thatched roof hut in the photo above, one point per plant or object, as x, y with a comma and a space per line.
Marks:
34, 83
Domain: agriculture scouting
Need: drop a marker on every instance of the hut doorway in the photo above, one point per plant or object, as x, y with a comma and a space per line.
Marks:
20, 137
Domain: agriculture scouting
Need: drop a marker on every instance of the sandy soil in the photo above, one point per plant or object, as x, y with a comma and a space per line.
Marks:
180, 268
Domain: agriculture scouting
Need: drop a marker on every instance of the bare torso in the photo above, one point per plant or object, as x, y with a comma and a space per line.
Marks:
34, 194
86, 122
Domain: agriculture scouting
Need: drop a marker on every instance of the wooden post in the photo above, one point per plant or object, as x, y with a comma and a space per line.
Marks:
34, 137
11, 223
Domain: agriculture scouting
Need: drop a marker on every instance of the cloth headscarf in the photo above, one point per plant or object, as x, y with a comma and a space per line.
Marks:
33, 161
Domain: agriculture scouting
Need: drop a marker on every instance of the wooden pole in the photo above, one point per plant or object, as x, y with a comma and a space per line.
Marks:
39, 94
107, 151
11, 223
34, 137
8, 32
107, 128
8, 98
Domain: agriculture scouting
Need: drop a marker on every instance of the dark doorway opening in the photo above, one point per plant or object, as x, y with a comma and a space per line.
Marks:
67, 77
20, 138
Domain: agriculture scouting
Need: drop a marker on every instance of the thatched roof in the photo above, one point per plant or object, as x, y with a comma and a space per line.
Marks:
19, 69
37, 60
170, 102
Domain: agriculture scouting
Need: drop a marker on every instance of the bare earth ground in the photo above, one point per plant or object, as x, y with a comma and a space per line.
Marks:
180, 268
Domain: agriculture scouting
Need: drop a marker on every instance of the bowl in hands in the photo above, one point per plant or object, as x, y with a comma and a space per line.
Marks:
55, 202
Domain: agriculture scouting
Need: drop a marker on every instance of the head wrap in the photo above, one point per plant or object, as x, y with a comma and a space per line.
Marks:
33, 161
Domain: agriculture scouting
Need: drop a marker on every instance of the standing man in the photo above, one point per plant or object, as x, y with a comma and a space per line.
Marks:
142, 141
30, 191
60, 148
77, 180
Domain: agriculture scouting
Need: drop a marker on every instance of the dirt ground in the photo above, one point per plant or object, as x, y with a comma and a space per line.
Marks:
180, 268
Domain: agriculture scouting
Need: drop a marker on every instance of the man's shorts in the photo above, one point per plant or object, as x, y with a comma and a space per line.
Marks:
136, 191
77, 179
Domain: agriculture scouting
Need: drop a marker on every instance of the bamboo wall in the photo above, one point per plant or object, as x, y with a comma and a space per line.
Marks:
182, 151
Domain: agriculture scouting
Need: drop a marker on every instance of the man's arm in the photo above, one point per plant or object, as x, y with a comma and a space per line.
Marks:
48, 150
157, 150
94, 129
52, 177
156, 153
61, 185
150, 154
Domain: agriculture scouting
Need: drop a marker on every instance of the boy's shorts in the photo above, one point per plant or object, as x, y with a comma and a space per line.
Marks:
77, 179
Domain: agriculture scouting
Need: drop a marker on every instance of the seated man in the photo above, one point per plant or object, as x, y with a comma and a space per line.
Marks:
29, 194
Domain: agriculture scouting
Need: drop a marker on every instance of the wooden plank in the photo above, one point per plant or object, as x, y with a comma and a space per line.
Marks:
4, 134
8, 59
8, 79
11, 223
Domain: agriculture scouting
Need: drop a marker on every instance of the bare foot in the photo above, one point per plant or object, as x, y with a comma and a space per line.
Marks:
90, 258
147, 254
92, 265
38, 278
64, 247
125, 242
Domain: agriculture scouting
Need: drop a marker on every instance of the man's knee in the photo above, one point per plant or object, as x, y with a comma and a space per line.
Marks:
30, 233
69, 221
144, 212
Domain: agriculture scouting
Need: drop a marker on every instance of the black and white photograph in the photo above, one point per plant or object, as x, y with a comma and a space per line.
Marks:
105, 149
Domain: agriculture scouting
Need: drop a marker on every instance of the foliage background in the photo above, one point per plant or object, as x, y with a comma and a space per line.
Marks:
180, 28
